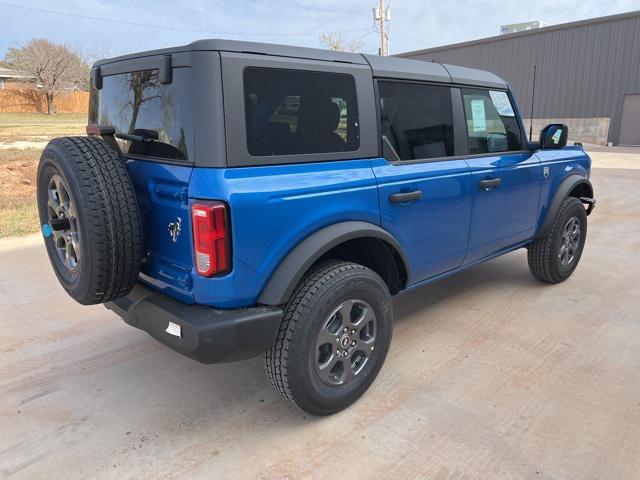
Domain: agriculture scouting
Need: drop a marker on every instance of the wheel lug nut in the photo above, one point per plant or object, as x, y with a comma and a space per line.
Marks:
345, 353
353, 344
338, 352
345, 329
353, 332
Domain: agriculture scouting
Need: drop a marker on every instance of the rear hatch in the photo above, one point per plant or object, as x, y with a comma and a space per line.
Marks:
154, 120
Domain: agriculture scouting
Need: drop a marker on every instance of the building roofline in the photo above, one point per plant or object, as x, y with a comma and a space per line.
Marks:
9, 73
536, 31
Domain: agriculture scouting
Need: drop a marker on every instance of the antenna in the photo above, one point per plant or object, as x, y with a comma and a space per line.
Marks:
533, 96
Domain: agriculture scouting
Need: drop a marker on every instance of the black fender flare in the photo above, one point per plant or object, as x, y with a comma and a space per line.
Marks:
567, 185
291, 270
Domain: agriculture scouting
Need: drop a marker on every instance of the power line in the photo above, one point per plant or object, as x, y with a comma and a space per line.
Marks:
360, 37
409, 36
179, 29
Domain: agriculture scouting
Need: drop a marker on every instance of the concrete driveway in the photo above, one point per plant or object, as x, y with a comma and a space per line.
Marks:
490, 374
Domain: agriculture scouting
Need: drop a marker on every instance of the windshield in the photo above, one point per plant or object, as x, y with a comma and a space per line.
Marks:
160, 115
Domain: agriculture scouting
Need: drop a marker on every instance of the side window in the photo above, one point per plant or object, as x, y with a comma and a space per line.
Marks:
291, 112
417, 119
491, 121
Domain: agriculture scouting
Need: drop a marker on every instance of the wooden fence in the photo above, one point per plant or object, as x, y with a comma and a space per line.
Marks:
34, 101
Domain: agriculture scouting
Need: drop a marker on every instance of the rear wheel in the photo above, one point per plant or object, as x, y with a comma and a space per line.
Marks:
553, 257
334, 338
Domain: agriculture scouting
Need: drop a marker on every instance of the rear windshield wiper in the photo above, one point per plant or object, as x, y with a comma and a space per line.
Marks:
139, 135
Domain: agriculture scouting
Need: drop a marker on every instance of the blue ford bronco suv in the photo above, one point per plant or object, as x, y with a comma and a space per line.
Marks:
234, 199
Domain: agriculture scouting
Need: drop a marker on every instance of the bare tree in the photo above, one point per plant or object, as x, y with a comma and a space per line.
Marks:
92, 53
56, 67
144, 86
336, 42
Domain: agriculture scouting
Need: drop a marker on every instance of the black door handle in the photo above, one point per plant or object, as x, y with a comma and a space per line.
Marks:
489, 184
405, 196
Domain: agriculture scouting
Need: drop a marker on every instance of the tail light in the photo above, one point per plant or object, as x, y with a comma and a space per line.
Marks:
211, 238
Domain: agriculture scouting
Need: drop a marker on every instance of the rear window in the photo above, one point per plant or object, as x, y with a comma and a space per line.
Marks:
292, 112
138, 104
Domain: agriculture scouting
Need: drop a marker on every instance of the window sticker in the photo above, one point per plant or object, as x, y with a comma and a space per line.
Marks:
478, 116
501, 102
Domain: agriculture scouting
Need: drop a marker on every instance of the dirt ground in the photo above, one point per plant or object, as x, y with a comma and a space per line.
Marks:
490, 375
22, 138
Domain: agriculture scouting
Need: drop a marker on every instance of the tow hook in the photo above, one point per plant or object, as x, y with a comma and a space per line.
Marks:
591, 202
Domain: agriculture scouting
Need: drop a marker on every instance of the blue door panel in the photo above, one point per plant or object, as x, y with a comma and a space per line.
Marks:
433, 230
507, 214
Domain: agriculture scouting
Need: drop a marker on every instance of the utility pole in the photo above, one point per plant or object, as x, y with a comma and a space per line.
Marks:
382, 14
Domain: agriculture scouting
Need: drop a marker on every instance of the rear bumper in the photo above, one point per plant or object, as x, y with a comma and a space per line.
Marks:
205, 334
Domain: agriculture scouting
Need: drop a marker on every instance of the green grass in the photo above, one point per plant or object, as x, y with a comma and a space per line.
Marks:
19, 219
39, 127
18, 212
18, 119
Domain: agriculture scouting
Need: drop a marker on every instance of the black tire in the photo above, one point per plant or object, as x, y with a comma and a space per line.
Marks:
104, 232
291, 362
545, 255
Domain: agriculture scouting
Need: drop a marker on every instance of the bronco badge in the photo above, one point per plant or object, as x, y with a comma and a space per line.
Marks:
174, 229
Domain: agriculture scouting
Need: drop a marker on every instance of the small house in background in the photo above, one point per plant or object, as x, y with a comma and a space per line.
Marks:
13, 80
20, 93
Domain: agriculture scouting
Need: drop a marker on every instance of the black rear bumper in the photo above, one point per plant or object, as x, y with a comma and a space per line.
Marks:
206, 334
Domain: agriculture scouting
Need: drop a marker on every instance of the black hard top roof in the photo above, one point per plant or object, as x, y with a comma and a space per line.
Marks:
387, 67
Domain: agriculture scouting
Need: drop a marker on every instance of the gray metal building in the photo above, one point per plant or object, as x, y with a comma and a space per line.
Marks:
587, 74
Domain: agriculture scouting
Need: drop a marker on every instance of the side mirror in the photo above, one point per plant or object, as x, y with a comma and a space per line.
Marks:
554, 136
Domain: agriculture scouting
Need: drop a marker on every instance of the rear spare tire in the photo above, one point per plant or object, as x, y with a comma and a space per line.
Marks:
90, 219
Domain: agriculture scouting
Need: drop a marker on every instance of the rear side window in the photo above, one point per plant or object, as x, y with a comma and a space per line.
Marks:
491, 121
417, 119
161, 115
291, 112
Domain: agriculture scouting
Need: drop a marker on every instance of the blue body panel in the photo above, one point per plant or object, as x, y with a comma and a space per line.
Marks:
162, 193
561, 164
273, 208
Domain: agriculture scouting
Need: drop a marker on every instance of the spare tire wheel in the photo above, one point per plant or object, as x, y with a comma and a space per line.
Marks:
90, 219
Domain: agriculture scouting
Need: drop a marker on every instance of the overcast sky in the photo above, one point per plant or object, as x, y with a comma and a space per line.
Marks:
415, 24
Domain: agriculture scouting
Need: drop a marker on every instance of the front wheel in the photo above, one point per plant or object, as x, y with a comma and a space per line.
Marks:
554, 257
334, 338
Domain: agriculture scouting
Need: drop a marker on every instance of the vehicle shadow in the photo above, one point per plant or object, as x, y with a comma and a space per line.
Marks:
506, 271
116, 388
240, 389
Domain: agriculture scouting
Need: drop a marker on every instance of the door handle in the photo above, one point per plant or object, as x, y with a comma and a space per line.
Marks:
489, 184
405, 196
